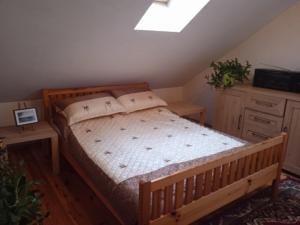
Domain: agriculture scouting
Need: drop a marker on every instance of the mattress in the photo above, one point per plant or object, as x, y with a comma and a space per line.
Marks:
120, 150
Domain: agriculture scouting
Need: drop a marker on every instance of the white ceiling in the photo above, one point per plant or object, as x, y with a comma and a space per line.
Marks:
62, 43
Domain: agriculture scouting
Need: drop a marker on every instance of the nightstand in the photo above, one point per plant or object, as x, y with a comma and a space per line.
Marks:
39, 131
187, 109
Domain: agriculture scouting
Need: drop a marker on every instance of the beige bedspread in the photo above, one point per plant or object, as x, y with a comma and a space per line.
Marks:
125, 146
120, 150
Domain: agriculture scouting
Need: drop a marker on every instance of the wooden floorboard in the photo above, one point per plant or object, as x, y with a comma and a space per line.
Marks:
67, 198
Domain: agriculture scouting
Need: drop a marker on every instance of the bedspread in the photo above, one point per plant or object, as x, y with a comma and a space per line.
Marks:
118, 151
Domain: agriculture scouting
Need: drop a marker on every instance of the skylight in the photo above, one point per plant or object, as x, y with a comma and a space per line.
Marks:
170, 15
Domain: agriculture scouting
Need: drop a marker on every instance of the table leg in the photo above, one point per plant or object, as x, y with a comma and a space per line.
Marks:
202, 118
55, 155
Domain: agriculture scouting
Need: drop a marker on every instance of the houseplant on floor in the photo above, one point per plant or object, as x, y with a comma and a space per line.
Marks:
227, 74
20, 203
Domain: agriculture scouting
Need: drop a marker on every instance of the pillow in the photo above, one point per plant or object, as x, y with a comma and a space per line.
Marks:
139, 100
89, 106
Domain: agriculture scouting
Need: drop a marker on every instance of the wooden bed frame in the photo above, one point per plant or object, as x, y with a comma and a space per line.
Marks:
188, 195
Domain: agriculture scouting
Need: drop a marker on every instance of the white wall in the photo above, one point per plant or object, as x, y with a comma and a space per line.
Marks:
277, 43
173, 94
67, 43
6, 108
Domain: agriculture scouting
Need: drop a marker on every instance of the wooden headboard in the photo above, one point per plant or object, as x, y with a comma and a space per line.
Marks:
50, 95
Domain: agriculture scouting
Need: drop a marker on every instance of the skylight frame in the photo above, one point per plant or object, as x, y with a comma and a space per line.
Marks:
170, 15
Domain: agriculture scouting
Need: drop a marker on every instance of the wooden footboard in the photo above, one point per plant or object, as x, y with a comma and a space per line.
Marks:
188, 195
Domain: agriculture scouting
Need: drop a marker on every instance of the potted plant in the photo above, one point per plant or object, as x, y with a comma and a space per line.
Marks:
20, 202
227, 74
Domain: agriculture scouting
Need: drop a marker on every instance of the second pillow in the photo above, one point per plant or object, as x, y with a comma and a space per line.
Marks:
139, 100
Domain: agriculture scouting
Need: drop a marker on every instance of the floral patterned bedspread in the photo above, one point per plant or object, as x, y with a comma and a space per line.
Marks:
129, 145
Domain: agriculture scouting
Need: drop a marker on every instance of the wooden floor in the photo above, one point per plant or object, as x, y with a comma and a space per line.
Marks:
66, 197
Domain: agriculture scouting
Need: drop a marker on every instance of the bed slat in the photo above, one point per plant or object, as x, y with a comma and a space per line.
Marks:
265, 158
156, 203
247, 166
217, 178
253, 163
270, 157
233, 171
225, 174
199, 186
240, 168
260, 158
179, 194
168, 199
276, 154
208, 182
189, 190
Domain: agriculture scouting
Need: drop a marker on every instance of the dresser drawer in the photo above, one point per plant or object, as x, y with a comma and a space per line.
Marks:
254, 133
253, 136
260, 126
267, 104
263, 122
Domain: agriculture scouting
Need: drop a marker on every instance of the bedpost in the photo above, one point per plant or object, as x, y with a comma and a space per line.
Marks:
281, 158
144, 202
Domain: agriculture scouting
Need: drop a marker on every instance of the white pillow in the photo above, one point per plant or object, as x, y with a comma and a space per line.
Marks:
87, 107
140, 100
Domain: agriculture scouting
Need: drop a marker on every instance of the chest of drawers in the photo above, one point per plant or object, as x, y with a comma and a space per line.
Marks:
255, 114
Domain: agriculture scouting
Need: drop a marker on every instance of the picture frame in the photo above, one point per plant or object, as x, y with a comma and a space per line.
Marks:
25, 116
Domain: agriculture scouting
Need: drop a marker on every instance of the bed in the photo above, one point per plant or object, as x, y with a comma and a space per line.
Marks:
153, 167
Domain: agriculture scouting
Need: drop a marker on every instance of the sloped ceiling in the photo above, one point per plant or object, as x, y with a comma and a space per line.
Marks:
63, 43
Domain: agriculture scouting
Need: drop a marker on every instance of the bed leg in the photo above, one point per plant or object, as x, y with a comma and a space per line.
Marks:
275, 184
144, 203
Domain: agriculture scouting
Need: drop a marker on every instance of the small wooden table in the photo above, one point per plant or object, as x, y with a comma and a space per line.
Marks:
39, 131
187, 109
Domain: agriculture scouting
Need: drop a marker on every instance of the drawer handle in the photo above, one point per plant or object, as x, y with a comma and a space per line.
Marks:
263, 103
261, 120
254, 134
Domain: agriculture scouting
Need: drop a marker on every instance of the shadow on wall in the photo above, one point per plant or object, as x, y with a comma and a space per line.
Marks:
199, 92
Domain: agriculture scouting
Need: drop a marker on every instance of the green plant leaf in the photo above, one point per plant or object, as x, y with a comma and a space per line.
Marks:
20, 202
226, 74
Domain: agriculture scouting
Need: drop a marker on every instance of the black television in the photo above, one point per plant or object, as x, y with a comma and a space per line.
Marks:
277, 79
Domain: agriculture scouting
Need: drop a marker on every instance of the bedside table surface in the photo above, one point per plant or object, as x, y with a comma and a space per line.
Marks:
38, 131
184, 108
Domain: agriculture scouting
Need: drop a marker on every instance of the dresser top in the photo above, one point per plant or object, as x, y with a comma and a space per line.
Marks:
271, 92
